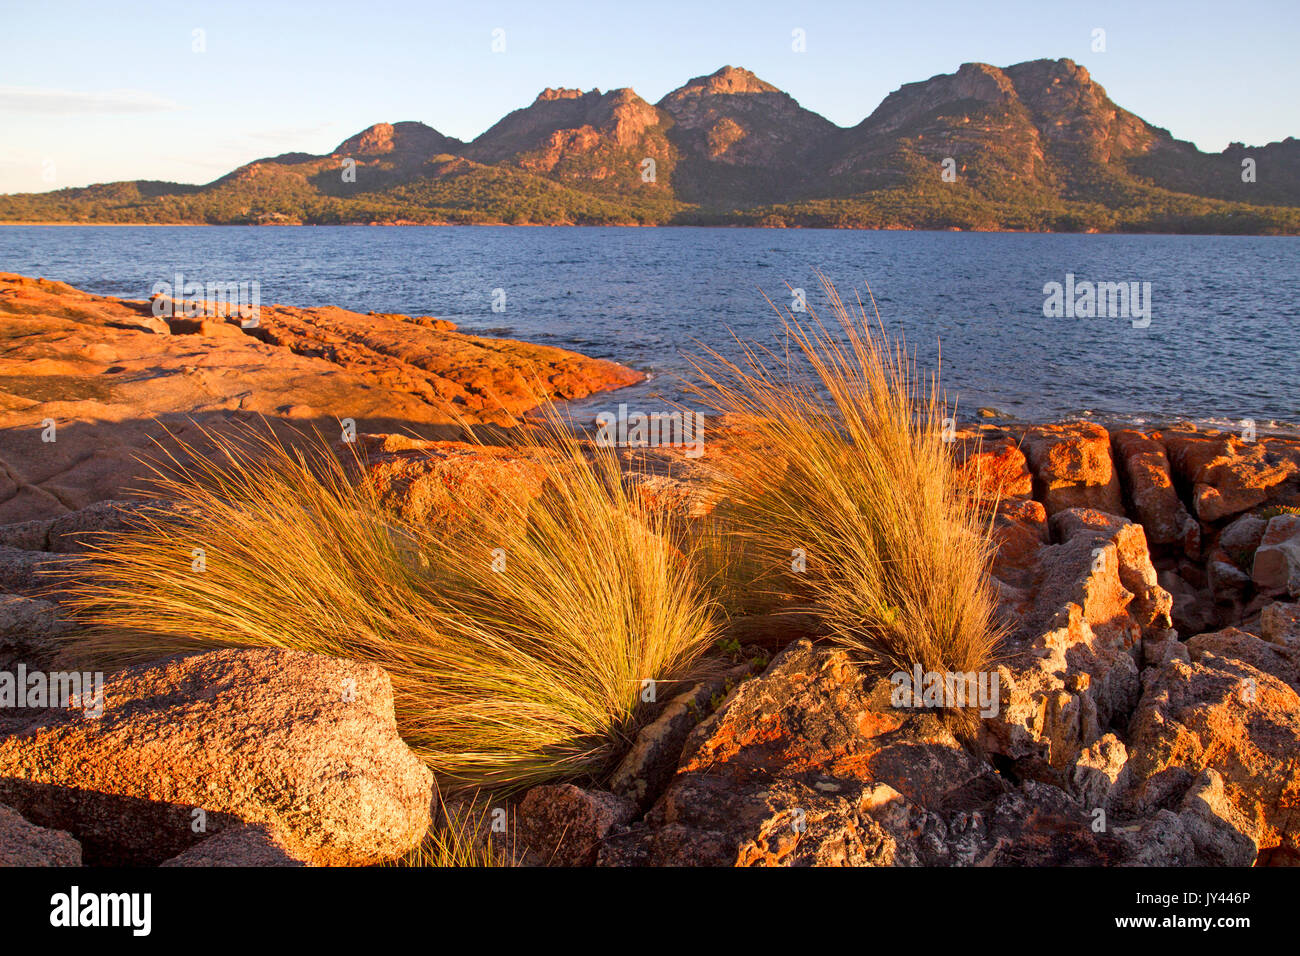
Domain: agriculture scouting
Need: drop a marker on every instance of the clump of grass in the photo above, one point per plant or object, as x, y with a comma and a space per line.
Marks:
845, 492
1274, 511
730, 567
518, 654
463, 837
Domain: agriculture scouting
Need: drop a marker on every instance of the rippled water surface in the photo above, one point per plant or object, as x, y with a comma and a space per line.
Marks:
1223, 342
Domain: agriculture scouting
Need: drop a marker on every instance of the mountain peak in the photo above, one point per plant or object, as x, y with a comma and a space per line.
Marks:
564, 124
729, 79
1053, 71
404, 138
561, 93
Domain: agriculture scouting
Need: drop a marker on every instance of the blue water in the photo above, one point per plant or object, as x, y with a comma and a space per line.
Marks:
1223, 343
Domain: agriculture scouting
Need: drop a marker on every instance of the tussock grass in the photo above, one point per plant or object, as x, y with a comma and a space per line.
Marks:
463, 837
1274, 511
843, 460
518, 654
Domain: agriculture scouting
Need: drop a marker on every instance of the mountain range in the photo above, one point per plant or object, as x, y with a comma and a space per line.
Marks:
1035, 146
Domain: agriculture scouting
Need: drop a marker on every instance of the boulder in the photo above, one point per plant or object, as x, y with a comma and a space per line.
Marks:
563, 825
78, 531
652, 759
40, 534
445, 484
813, 716
26, 535
1276, 568
677, 496
1156, 652
1147, 604
1069, 671
673, 478
29, 628
1096, 770
1241, 536
1228, 475
239, 845
305, 745
1073, 468
1222, 715
34, 573
1280, 624
1148, 480
25, 844
1020, 532
1229, 585
1193, 609
706, 822
1040, 825
992, 464
1279, 660
1199, 831
1062, 690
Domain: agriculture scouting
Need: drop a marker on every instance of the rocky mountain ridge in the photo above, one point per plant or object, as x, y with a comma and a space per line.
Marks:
1038, 145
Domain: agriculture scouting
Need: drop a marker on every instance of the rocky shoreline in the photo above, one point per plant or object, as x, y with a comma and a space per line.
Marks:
1149, 707
1150, 680
116, 377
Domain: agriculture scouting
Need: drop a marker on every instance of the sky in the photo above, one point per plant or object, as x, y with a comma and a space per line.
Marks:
102, 91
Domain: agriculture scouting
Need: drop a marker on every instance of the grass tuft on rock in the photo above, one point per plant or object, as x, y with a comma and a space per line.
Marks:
518, 654
845, 494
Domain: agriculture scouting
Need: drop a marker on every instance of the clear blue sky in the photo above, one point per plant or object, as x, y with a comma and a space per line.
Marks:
100, 91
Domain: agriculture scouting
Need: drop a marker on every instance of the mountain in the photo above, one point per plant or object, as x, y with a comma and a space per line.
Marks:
1180, 166
591, 139
399, 143
1035, 146
740, 139
1033, 134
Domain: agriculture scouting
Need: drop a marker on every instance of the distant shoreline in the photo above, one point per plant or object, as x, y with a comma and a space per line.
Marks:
635, 225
